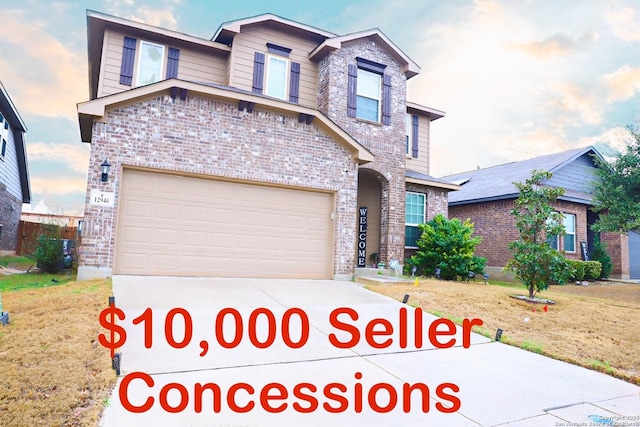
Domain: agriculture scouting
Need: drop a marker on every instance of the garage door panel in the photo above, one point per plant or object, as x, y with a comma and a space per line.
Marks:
188, 226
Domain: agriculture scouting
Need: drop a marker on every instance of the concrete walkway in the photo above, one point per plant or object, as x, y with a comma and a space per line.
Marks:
320, 384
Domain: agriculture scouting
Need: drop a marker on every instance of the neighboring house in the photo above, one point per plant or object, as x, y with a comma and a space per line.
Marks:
14, 173
251, 154
487, 196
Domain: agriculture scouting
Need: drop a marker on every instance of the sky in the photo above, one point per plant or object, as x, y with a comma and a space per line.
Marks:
516, 78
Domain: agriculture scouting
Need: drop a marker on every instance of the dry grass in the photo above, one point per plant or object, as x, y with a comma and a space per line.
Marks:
53, 371
594, 326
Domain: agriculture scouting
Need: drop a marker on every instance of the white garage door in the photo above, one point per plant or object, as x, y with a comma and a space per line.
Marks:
182, 226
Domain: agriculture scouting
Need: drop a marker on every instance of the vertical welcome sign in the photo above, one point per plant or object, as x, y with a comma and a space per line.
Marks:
362, 236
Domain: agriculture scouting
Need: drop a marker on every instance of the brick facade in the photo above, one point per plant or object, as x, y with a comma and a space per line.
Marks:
385, 142
497, 227
618, 250
10, 211
205, 137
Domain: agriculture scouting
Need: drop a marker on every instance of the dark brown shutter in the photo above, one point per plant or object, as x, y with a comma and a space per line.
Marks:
352, 96
172, 63
258, 72
128, 58
414, 136
294, 87
386, 99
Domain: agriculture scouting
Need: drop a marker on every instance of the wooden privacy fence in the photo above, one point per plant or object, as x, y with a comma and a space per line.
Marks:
28, 233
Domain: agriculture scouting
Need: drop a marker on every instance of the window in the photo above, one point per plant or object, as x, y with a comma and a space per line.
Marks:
570, 228
569, 239
4, 147
282, 79
369, 91
150, 63
414, 215
368, 95
277, 77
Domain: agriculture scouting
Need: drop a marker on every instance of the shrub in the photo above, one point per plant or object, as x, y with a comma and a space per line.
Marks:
447, 244
592, 270
599, 253
48, 253
581, 270
577, 269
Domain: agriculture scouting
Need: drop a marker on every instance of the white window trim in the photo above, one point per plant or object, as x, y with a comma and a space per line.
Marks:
575, 246
139, 61
379, 98
286, 75
424, 213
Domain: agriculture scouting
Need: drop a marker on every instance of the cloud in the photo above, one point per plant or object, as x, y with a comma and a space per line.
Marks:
568, 100
73, 156
60, 185
624, 24
163, 16
43, 76
557, 45
623, 83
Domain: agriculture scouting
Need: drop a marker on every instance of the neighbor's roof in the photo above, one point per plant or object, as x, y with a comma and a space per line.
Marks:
496, 182
18, 127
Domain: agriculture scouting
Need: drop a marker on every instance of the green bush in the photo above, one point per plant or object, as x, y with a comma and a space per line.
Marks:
48, 253
592, 269
447, 244
599, 253
577, 269
581, 270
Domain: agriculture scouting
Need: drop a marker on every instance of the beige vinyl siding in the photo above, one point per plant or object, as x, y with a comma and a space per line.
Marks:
254, 39
198, 65
421, 164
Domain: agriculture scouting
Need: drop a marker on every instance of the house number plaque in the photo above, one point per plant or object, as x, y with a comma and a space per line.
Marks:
101, 198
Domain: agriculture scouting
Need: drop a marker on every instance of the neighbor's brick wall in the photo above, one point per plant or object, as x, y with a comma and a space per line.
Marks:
385, 142
497, 227
10, 211
209, 137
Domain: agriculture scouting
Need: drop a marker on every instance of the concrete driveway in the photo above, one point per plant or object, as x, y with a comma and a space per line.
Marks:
322, 384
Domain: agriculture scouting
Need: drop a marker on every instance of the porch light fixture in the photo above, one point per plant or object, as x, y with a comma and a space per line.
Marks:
105, 167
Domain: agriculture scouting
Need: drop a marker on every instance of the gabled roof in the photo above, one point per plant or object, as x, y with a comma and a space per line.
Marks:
228, 30
96, 24
409, 68
18, 127
414, 177
496, 182
97, 109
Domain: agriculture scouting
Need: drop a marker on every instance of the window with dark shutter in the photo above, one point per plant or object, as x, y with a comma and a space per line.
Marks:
128, 58
414, 136
294, 85
172, 63
258, 72
386, 99
352, 101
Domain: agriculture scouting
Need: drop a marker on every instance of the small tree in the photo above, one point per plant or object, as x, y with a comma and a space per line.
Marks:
599, 253
48, 252
534, 261
447, 244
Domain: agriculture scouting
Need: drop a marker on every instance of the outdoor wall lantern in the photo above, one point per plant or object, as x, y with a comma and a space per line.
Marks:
105, 167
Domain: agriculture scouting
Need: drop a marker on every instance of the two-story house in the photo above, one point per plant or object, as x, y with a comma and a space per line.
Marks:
273, 150
14, 174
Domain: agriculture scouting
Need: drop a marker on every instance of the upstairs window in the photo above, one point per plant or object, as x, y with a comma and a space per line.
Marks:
369, 92
274, 74
414, 215
150, 59
277, 77
150, 63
